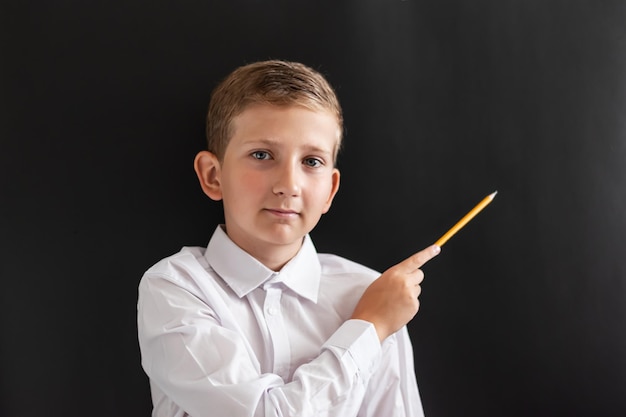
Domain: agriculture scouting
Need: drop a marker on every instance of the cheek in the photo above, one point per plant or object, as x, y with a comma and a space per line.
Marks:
251, 182
319, 191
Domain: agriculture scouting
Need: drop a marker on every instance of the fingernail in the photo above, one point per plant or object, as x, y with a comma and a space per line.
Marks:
436, 249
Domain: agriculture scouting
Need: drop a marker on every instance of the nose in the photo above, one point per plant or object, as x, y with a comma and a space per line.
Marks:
287, 180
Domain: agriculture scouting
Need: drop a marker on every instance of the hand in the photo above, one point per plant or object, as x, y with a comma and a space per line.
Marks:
391, 301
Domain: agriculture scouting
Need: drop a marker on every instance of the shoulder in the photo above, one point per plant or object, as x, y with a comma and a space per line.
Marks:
179, 267
342, 283
337, 266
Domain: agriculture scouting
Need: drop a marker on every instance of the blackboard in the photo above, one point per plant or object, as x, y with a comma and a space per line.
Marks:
103, 108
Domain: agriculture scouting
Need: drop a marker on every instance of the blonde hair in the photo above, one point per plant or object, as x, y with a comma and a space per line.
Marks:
275, 82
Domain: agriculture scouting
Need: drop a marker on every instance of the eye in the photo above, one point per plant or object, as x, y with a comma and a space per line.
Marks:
313, 162
260, 155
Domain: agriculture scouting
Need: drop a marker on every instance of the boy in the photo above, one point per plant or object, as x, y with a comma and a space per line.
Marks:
259, 323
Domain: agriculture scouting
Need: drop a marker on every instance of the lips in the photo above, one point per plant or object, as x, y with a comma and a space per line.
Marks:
283, 212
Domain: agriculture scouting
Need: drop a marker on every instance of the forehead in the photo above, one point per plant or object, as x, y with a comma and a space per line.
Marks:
286, 124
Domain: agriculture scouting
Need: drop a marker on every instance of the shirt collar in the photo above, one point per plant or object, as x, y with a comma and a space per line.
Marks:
243, 273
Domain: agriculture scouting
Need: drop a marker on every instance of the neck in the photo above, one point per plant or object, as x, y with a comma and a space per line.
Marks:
275, 262
273, 256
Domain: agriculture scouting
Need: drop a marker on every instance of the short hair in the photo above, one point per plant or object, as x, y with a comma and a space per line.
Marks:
275, 82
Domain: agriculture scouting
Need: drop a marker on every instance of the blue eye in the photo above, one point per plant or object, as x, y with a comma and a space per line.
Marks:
313, 162
260, 155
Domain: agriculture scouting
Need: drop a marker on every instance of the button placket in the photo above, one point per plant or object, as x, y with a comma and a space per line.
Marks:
275, 324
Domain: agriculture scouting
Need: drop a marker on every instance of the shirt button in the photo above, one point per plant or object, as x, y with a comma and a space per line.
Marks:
272, 311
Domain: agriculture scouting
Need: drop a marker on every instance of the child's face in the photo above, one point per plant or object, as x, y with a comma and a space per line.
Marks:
277, 176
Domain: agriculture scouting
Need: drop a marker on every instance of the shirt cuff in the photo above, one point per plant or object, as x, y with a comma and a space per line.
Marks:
356, 343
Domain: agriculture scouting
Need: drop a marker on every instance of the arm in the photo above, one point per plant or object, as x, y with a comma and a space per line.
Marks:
393, 391
389, 303
204, 367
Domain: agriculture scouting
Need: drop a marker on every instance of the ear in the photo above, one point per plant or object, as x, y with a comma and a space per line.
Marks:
335, 187
208, 170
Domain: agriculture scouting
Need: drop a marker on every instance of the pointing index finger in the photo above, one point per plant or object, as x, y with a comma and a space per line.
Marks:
416, 261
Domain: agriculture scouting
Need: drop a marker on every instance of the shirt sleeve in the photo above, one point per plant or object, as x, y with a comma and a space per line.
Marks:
203, 367
393, 390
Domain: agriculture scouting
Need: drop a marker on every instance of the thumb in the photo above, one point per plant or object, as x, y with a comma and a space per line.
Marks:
416, 261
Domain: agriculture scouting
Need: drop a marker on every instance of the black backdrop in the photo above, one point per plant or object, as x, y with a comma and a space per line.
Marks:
445, 101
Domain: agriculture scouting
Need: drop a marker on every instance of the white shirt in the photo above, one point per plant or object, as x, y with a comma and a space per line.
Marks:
222, 335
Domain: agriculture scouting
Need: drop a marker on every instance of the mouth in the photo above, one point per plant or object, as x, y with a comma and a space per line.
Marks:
283, 213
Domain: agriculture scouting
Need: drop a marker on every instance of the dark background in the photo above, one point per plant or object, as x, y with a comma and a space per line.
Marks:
102, 111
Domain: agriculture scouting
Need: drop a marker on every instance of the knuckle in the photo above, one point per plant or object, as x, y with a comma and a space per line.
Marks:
417, 260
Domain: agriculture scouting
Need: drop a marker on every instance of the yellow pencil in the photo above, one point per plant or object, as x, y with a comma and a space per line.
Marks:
443, 239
